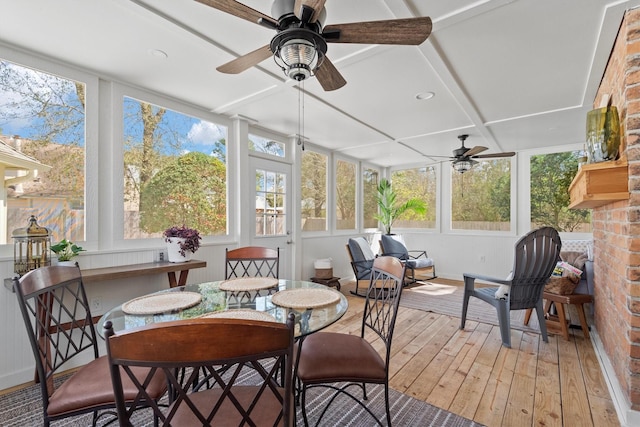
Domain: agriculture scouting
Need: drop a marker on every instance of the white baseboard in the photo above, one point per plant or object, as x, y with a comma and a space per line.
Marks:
627, 416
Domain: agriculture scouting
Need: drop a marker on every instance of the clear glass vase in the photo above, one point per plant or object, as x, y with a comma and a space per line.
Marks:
603, 134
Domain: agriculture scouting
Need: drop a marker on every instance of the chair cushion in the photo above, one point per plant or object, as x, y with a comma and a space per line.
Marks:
334, 357
91, 387
420, 263
360, 249
395, 247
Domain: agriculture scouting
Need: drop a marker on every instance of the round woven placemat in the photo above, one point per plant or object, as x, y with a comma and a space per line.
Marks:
241, 314
248, 284
162, 303
305, 298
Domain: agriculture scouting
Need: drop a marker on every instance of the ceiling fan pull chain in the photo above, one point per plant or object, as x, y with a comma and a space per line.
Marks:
301, 113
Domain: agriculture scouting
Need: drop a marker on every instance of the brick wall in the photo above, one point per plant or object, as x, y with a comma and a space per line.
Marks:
616, 226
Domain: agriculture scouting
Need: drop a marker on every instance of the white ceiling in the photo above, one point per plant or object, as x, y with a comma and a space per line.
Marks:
514, 74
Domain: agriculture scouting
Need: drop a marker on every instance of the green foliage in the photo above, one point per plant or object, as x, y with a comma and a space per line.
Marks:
369, 191
190, 190
346, 193
483, 194
418, 183
314, 184
390, 210
65, 250
551, 175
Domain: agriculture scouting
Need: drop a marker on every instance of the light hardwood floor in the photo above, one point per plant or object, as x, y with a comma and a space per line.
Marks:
471, 374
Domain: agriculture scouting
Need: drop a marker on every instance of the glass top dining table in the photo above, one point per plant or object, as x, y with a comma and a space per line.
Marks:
214, 299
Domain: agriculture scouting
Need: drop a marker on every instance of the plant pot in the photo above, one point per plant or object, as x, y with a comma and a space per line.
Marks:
173, 250
69, 263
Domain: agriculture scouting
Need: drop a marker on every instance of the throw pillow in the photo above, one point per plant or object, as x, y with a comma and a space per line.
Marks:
576, 259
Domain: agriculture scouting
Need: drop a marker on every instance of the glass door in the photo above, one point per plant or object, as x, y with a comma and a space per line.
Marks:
272, 225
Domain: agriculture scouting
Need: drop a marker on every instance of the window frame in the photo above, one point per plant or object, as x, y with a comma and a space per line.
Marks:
437, 173
92, 108
524, 175
114, 228
329, 192
360, 196
334, 196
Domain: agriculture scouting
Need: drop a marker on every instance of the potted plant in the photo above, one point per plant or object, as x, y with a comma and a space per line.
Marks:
390, 210
65, 250
182, 242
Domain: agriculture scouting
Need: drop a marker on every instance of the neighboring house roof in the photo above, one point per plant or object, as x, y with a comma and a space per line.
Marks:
13, 159
21, 170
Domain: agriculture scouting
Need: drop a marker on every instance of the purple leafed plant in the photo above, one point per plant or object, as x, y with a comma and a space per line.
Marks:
191, 238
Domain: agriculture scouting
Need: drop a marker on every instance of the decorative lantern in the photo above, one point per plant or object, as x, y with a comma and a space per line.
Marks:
31, 247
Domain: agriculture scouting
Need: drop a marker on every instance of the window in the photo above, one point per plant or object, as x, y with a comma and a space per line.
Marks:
551, 175
419, 183
370, 178
345, 195
267, 146
46, 116
175, 172
481, 197
270, 203
314, 191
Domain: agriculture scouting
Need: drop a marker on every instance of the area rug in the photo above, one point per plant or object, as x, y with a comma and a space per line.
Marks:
23, 408
447, 300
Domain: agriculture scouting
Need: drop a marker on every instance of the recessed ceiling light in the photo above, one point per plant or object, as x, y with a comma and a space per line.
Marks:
425, 95
158, 53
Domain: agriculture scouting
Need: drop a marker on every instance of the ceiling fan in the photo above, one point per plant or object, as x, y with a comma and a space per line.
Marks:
463, 158
300, 44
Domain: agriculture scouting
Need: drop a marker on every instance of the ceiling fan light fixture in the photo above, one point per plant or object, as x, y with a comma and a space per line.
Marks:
298, 58
462, 166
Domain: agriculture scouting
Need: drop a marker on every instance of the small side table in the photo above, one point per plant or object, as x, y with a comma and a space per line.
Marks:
331, 281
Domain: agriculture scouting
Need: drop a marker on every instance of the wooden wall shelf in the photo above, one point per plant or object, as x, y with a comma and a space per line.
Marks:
597, 184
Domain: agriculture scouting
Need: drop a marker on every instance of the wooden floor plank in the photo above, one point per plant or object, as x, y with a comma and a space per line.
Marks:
575, 404
519, 409
450, 383
496, 394
406, 376
547, 409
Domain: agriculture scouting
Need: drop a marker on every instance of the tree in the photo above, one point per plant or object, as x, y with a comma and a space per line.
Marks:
551, 176
346, 193
482, 195
191, 190
53, 106
370, 179
314, 182
417, 183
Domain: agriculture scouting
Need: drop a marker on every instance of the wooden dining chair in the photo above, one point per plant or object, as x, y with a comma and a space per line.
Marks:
252, 261
340, 361
60, 327
220, 397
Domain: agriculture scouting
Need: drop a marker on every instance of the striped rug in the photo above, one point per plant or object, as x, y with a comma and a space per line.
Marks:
23, 408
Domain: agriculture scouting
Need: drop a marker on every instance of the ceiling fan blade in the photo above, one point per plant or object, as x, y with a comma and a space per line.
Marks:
475, 150
329, 76
240, 10
316, 5
495, 155
247, 61
442, 157
409, 31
